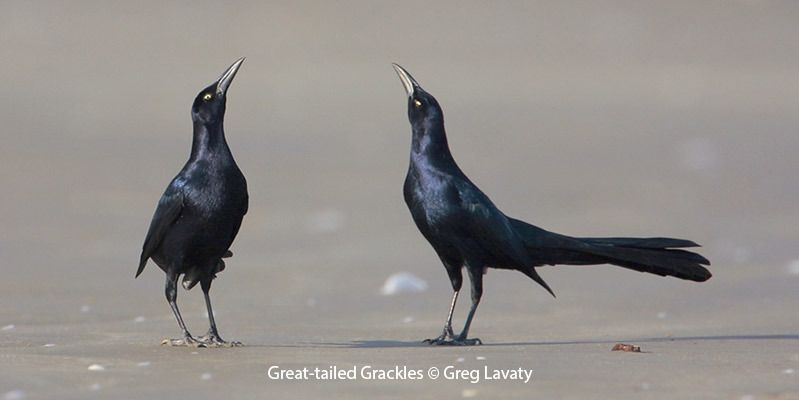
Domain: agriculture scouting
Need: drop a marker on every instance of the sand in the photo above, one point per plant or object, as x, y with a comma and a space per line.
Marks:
588, 119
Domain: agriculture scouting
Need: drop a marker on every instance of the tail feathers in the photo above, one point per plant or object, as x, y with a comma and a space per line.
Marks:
659, 261
532, 274
642, 243
142, 264
660, 256
144, 257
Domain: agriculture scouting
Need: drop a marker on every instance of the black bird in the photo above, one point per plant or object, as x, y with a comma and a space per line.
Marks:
200, 212
467, 230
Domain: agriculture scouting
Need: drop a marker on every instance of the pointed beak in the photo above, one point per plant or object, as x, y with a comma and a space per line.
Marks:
224, 81
408, 82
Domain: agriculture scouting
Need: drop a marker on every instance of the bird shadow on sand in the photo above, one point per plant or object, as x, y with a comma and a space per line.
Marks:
362, 344
375, 344
382, 344
710, 338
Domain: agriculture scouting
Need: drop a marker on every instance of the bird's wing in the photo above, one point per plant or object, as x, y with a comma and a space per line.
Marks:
489, 228
499, 243
168, 211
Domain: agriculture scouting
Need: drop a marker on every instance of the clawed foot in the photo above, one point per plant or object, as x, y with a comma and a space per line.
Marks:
446, 334
211, 340
186, 341
442, 341
437, 341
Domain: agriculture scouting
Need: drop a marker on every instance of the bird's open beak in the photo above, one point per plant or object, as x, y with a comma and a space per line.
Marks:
408, 82
224, 81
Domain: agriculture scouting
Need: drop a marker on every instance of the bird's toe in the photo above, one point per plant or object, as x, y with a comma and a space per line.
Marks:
441, 340
210, 340
458, 341
186, 341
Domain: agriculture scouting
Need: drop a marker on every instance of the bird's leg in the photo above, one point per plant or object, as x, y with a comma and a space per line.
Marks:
448, 326
454, 271
171, 292
447, 334
212, 338
476, 277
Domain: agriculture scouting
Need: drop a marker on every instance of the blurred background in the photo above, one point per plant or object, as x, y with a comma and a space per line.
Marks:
587, 118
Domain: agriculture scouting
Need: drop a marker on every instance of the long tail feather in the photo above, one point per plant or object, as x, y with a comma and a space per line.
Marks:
660, 261
660, 256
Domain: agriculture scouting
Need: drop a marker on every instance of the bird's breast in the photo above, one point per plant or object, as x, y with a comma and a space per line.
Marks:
433, 202
216, 192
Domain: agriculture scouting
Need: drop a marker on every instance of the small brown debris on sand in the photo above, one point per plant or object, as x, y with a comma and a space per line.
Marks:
626, 347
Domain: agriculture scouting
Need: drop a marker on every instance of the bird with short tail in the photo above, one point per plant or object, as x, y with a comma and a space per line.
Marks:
200, 212
468, 231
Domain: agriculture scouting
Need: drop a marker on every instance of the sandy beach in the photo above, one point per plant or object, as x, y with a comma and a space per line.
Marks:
614, 119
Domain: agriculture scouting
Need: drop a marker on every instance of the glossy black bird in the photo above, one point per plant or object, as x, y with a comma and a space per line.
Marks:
468, 231
201, 210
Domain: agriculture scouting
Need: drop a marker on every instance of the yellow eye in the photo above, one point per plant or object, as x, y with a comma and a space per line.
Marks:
417, 103
208, 96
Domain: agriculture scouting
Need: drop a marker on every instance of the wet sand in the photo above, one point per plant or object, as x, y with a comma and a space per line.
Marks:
614, 119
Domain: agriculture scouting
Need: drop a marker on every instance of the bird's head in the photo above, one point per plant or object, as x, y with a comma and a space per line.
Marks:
209, 105
423, 109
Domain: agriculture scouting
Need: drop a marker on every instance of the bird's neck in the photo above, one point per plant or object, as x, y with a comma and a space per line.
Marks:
209, 139
429, 145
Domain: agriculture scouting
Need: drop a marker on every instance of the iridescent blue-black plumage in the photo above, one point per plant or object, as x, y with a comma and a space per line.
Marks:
468, 231
200, 212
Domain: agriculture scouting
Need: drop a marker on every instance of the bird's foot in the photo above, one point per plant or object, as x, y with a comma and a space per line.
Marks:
446, 334
213, 340
437, 341
442, 341
186, 341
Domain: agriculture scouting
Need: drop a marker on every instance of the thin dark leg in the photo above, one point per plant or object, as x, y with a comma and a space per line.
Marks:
212, 330
476, 278
456, 279
448, 326
171, 292
212, 338
447, 334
